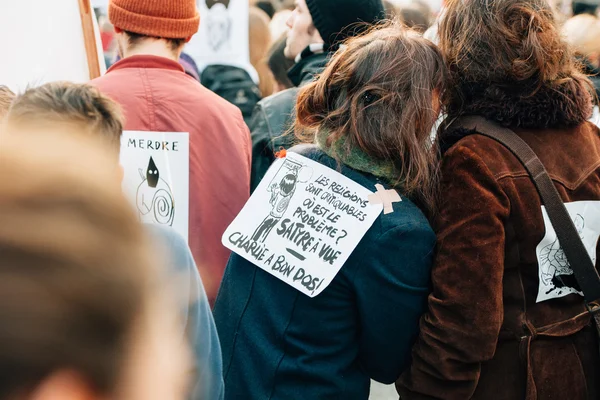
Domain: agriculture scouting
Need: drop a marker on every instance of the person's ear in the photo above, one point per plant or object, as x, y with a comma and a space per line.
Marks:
187, 39
64, 385
118, 30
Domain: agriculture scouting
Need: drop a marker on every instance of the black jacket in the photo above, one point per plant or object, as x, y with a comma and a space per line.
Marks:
280, 344
593, 72
273, 118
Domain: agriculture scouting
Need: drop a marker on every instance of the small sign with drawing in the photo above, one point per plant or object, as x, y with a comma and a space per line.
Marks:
156, 177
302, 223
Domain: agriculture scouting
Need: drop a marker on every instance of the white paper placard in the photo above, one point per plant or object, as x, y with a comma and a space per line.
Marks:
156, 177
302, 223
44, 41
223, 35
556, 277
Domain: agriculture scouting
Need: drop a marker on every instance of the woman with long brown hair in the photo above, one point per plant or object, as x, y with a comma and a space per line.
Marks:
506, 319
370, 114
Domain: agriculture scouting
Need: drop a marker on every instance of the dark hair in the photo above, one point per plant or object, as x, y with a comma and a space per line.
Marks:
71, 102
6, 98
75, 266
506, 52
279, 64
584, 8
288, 183
377, 95
135, 39
267, 6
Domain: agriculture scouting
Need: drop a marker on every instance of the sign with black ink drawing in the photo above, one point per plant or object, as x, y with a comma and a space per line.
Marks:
556, 278
156, 177
223, 37
302, 223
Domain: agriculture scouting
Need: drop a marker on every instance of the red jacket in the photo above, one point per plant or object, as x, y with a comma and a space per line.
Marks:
157, 95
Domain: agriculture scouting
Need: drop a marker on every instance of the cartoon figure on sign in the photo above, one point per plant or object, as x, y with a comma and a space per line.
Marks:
282, 189
219, 23
154, 197
556, 273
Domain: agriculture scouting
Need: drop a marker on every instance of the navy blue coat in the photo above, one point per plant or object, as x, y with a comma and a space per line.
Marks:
281, 344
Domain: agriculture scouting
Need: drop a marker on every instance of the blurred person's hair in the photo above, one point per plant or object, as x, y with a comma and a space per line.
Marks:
415, 18
508, 52
390, 9
279, 64
260, 40
75, 271
582, 32
70, 103
585, 7
287, 5
6, 98
267, 6
377, 95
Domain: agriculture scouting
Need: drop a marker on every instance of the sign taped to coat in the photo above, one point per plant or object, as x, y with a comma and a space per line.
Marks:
555, 274
156, 177
302, 223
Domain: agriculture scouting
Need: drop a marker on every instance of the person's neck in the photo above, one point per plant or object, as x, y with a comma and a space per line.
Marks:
153, 48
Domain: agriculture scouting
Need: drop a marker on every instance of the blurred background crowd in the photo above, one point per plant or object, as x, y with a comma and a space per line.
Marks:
268, 30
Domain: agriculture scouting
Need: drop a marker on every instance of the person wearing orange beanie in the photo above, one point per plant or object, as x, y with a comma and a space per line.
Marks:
173, 19
158, 96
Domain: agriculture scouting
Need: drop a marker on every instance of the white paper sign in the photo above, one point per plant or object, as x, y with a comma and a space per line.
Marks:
223, 36
555, 273
44, 41
156, 177
302, 223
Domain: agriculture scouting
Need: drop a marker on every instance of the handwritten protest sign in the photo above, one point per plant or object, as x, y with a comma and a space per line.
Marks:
302, 223
156, 177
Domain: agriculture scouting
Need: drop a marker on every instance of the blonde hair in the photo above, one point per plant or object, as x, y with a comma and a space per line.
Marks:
76, 270
582, 32
6, 98
260, 41
66, 102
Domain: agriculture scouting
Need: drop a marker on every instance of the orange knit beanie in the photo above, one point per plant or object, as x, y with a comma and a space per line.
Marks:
169, 19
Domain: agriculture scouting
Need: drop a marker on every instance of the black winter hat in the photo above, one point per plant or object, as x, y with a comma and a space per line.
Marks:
337, 20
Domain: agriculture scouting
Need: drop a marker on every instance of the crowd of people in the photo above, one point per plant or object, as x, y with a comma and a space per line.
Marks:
461, 290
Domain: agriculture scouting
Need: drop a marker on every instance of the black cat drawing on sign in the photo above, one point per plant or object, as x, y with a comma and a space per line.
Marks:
154, 198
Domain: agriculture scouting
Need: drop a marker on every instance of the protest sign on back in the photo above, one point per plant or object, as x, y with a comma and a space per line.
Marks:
302, 223
156, 177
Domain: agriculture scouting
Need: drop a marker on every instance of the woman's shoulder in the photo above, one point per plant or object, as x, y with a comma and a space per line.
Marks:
406, 215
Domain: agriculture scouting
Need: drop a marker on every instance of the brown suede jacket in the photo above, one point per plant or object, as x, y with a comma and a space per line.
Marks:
485, 335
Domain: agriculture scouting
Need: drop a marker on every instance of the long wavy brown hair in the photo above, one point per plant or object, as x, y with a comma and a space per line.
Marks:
506, 57
379, 93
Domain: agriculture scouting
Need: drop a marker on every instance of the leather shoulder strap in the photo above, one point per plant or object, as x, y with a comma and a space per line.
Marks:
578, 257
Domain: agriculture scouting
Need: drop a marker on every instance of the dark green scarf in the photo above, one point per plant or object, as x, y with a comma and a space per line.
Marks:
356, 158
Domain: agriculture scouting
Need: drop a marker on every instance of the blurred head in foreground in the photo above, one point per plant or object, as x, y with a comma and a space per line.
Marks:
82, 314
64, 107
6, 98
